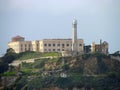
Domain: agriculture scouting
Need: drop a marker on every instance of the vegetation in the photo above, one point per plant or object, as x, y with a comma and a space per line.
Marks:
20, 83
6, 59
32, 54
85, 56
117, 53
94, 70
11, 55
28, 55
52, 54
9, 73
98, 83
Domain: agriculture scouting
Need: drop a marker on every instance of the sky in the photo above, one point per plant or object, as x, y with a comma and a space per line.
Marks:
45, 19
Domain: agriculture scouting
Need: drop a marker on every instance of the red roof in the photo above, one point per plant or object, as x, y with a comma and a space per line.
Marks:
17, 37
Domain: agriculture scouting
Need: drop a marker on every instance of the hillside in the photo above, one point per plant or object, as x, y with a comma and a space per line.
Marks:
92, 71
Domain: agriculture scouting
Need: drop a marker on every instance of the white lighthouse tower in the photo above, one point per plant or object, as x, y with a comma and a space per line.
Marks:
74, 36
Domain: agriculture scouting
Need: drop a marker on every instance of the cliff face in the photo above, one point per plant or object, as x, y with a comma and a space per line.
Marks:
91, 71
74, 88
90, 66
95, 65
86, 64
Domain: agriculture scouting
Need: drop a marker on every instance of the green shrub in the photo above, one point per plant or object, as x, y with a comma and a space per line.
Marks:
46, 54
20, 83
9, 74
85, 56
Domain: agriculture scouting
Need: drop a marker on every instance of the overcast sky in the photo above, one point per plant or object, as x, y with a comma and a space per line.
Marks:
41, 19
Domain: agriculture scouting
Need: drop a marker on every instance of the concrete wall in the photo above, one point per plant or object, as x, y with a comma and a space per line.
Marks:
46, 45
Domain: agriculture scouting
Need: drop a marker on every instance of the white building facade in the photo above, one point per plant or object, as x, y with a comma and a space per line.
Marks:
46, 45
19, 44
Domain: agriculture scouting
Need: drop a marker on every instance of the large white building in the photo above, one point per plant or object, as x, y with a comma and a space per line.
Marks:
19, 44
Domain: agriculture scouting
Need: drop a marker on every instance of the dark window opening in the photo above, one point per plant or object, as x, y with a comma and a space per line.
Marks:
53, 44
67, 44
80, 44
53, 49
45, 44
58, 44
49, 44
58, 49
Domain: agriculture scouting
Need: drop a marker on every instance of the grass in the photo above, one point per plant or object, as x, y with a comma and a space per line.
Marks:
28, 55
31, 55
27, 71
9, 73
50, 54
53, 60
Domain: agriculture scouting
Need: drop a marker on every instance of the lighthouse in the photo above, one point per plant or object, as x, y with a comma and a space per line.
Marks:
74, 36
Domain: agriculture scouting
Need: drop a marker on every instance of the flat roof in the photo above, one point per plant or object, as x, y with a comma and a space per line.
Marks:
61, 39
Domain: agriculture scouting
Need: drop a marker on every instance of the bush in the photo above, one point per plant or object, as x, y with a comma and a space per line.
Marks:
85, 56
39, 64
9, 74
21, 83
46, 54
63, 82
28, 55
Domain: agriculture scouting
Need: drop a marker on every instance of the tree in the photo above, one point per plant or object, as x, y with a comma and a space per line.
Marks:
65, 67
10, 50
6, 59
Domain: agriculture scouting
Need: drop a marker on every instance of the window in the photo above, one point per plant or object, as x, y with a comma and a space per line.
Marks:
53, 49
53, 44
67, 44
21, 49
25, 45
49, 45
58, 49
37, 49
37, 45
29, 49
29, 45
80, 45
63, 45
49, 50
62, 49
45, 44
21, 45
45, 50
58, 44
